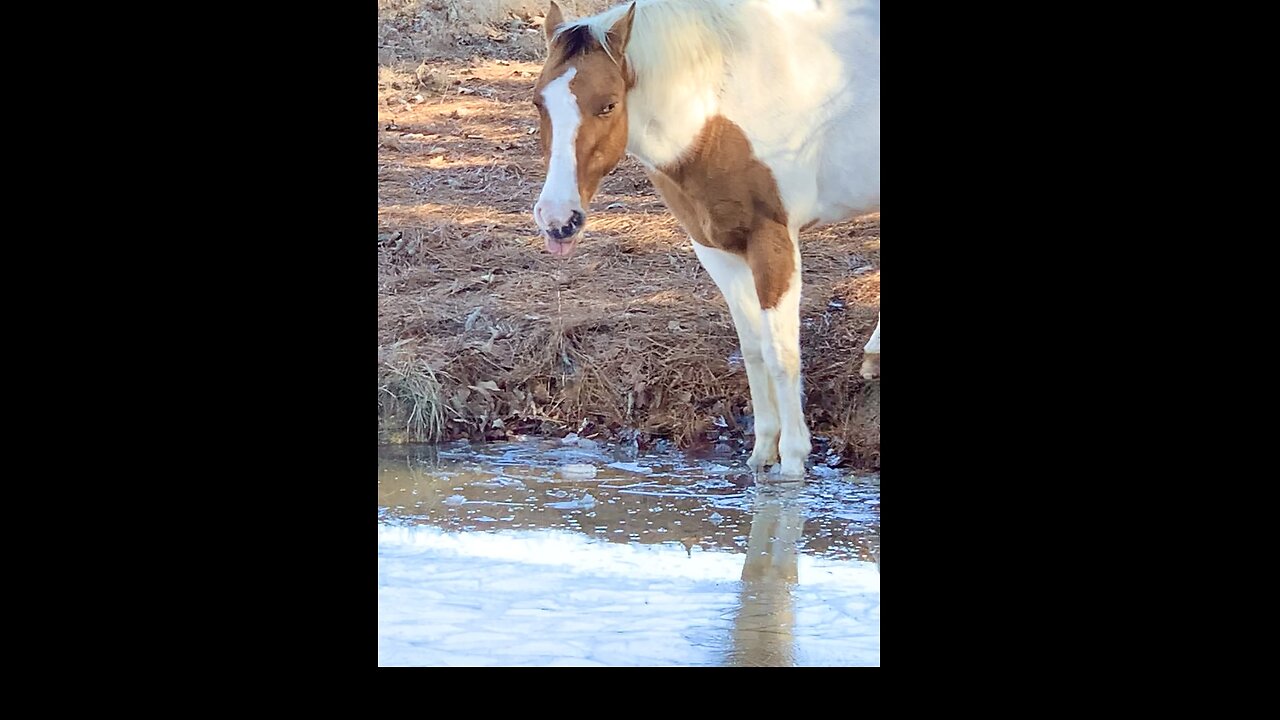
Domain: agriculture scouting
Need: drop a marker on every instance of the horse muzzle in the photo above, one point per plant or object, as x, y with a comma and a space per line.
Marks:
566, 230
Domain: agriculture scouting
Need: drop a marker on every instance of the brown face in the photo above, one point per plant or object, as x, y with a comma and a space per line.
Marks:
581, 101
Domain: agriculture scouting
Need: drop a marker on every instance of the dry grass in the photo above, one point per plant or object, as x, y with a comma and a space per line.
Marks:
409, 393
482, 334
413, 31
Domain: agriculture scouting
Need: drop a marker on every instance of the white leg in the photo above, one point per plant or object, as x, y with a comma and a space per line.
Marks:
780, 335
732, 275
871, 355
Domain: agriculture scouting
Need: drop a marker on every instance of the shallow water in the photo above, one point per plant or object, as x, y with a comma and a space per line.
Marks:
545, 553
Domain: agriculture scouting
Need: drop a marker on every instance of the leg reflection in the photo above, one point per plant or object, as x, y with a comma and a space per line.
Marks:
762, 629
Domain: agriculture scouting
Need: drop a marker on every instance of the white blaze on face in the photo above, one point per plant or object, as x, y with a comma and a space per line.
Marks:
559, 196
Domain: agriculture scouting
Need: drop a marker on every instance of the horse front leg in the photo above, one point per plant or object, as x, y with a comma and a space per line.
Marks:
871, 354
773, 252
733, 276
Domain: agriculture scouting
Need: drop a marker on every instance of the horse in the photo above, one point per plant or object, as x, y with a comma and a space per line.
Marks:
754, 119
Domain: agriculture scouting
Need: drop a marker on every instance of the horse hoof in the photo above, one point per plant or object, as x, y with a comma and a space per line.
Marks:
758, 464
791, 470
870, 366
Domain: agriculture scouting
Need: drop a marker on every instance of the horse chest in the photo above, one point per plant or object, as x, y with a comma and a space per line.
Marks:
719, 191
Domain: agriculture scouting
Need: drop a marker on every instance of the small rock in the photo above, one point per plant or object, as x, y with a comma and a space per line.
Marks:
628, 445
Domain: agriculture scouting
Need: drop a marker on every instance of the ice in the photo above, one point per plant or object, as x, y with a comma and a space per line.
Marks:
576, 471
631, 467
497, 573
586, 502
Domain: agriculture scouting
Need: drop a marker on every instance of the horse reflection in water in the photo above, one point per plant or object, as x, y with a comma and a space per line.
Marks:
762, 630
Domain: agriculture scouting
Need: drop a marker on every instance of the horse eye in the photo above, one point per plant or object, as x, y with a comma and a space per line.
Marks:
608, 108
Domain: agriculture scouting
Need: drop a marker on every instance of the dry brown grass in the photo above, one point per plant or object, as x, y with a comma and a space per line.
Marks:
414, 31
482, 334
409, 393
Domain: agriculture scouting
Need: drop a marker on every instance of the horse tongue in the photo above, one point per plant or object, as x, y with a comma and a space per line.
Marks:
561, 249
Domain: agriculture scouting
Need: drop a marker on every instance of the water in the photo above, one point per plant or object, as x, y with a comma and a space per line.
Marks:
544, 554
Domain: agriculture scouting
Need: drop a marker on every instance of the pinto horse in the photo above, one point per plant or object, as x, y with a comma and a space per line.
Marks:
755, 119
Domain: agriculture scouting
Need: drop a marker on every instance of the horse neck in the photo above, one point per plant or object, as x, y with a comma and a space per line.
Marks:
680, 77
662, 125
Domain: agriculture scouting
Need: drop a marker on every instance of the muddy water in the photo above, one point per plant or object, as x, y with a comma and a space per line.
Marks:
545, 553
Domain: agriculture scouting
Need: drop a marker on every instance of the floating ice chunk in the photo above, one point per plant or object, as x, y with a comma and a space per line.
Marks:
455, 500
631, 467
577, 471
586, 502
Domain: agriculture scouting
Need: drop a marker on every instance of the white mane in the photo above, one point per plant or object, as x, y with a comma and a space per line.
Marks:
692, 35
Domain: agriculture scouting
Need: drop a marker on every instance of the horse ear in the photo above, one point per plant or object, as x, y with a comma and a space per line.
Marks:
554, 19
620, 33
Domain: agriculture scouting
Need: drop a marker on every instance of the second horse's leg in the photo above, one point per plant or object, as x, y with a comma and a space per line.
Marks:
871, 355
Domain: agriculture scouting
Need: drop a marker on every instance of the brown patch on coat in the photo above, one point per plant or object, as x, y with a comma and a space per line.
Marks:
727, 199
601, 90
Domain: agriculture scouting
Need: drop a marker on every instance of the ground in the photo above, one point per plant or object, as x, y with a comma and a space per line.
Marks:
484, 335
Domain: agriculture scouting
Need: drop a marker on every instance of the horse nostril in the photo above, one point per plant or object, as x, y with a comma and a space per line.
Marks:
576, 219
